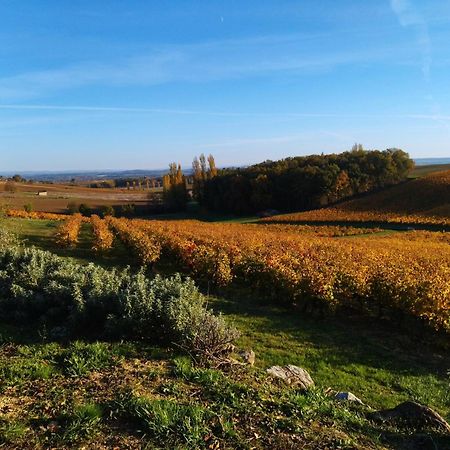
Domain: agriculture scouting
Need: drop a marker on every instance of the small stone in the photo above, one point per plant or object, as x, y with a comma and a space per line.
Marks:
292, 375
348, 396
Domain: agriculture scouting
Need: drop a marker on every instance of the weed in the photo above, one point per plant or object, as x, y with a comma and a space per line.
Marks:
82, 423
80, 358
12, 432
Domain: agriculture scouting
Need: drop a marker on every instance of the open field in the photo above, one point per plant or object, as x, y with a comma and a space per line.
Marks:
59, 196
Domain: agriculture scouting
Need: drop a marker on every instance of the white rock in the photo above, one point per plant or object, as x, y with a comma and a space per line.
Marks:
348, 396
292, 375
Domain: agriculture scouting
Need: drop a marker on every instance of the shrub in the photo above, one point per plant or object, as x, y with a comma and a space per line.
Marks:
28, 207
107, 210
72, 208
40, 288
10, 186
127, 210
85, 210
7, 239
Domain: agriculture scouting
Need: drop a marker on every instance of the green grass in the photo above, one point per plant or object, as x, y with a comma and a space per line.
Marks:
379, 364
130, 395
41, 234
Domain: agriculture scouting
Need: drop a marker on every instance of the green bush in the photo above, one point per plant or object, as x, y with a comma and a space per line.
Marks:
28, 207
85, 210
7, 239
107, 210
69, 299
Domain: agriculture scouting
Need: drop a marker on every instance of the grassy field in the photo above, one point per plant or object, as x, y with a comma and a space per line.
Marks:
130, 395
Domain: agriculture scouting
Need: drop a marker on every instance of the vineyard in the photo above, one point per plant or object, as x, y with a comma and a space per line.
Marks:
317, 269
271, 283
423, 201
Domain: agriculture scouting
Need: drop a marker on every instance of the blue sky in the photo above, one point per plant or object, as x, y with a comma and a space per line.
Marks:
136, 84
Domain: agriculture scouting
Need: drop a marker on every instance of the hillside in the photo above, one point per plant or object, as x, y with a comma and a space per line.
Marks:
423, 200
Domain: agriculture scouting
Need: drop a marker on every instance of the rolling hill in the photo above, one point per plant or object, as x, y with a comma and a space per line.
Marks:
423, 200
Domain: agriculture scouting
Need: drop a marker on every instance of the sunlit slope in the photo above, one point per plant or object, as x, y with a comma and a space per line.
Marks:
424, 200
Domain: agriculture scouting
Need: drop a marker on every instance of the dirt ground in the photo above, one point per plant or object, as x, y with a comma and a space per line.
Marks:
59, 196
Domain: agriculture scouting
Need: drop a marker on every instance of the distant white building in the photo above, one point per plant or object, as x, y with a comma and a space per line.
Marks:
42, 193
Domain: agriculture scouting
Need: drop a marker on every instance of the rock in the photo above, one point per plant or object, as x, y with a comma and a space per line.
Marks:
249, 357
347, 396
412, 413
293, 375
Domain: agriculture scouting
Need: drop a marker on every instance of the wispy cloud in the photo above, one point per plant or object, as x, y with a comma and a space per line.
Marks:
409, 16
207, 61
436, 115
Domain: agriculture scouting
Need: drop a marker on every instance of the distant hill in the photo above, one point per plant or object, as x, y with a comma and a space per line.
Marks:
61, 177
422, 200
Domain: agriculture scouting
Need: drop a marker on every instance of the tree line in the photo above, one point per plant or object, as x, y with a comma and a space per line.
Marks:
302, 183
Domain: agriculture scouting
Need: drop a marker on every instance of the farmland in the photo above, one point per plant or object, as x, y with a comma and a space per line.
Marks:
59, 196
98, 362
423, 201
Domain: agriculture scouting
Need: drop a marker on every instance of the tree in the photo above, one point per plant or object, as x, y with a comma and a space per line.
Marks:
203, 166
357, 147
174, 188
300, 183
18, 179
212, 166
203, 169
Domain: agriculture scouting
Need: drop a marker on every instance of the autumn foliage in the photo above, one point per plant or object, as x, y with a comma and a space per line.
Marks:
67, 232
14, 213
422, 201
103, 237
405, 275
145, 246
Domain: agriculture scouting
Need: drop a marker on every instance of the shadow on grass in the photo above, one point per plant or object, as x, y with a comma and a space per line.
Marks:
371, 224
341, 339
117, 256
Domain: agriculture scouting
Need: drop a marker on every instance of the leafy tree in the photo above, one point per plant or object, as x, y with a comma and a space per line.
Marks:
174, 188
298, 183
